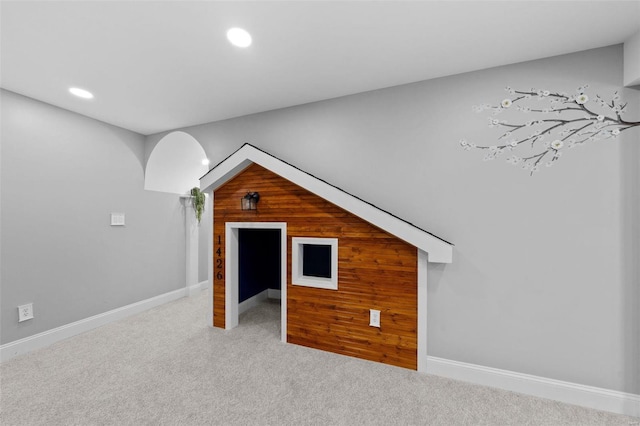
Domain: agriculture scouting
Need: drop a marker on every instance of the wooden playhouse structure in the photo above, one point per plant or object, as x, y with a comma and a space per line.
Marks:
372, 260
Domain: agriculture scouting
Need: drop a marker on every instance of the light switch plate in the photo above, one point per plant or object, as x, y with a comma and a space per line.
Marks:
117, 219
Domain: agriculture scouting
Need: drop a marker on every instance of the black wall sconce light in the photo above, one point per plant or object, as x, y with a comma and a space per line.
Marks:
250, 201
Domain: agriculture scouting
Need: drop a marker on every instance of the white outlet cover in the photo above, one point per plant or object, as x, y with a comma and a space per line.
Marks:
25, 312
374, 318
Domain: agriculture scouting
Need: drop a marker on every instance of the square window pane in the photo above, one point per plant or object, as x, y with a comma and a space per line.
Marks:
316, 260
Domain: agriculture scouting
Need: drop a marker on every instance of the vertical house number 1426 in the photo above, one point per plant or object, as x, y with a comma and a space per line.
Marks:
219, 260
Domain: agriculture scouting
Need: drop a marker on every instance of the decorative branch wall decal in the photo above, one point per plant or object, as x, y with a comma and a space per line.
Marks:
574, 121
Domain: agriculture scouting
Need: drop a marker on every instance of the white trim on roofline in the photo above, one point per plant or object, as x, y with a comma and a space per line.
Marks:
438, 250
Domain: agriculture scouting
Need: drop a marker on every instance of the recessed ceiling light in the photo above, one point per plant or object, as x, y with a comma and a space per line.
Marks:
81, 93
205, 162
239, 37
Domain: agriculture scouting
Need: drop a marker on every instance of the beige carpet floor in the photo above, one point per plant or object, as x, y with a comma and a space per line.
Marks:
166, 367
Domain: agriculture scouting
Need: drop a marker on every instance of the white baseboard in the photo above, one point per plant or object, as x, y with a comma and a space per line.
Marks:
571, 393
269, 293
252, 301
49, 337
272, 293
195, 289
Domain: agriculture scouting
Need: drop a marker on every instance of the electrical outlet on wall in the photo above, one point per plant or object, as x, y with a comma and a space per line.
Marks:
25, 312
374, 318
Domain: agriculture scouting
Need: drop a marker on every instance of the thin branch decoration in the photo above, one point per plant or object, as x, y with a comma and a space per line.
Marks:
574, 121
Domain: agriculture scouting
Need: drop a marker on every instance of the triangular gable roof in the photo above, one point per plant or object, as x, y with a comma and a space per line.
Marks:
439, 250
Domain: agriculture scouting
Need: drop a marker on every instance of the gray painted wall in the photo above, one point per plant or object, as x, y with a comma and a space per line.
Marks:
545, 273
62, 175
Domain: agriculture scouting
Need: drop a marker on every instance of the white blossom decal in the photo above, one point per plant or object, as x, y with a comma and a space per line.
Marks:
573, 122
557, 144
582, 99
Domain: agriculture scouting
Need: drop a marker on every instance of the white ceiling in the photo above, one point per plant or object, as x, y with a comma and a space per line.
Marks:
156, 66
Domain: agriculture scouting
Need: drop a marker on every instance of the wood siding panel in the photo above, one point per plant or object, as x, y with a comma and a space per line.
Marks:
375, 271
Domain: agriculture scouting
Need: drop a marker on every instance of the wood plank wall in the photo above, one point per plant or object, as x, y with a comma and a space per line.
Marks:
375, 271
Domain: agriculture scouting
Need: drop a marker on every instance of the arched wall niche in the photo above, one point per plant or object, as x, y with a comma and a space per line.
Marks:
175, 164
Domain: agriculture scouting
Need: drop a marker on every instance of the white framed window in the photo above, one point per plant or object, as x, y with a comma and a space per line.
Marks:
314, 262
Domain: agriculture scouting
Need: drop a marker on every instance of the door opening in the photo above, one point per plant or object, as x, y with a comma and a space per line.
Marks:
259, 273
256, 267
